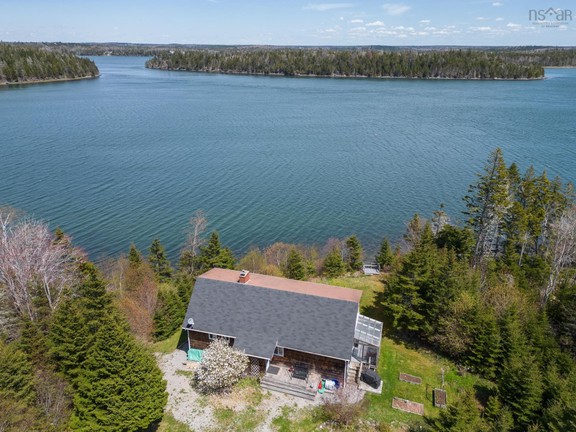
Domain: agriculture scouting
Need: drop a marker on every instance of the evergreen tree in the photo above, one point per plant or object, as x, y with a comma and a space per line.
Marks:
76, 320
521, 389
440, 219
295, 265
385, 257
95, 301
169, 313
485, 353
520, 382
404, 302
354, 253
459, 240
333, 265
16, 375
498, 416
134, 256
488, 205
560, 413
463, 416
214, 255
17, 394
120, 386
69, 338
158, 261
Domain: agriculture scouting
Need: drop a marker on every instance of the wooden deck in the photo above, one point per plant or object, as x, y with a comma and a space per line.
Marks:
279, 378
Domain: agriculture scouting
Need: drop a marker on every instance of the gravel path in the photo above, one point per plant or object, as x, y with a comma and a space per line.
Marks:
197, 411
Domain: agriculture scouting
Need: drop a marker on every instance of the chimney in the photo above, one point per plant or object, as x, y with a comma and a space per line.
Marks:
244, 276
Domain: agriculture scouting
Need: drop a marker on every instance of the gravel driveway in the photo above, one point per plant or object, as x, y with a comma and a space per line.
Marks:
197, 411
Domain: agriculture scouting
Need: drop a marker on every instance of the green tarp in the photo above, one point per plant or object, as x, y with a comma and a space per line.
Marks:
195, 355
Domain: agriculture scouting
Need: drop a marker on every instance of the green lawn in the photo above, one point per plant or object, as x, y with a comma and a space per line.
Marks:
370, 286
168, 345
395, 358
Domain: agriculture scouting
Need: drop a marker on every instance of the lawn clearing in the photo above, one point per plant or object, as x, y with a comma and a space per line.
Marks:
169, 345
395, 358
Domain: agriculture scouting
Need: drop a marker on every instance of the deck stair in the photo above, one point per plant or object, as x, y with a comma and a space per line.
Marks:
301, 390
354, 370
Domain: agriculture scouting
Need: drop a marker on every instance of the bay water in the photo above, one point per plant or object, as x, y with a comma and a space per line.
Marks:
130, 156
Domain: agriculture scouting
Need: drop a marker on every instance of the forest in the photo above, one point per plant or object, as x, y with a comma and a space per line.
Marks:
445, 64
496, 295
527, 55
20, 63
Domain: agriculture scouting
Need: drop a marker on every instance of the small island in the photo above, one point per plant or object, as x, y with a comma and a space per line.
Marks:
24, 64
348, 63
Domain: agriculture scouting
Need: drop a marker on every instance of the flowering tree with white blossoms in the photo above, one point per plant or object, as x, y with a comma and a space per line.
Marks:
222, 366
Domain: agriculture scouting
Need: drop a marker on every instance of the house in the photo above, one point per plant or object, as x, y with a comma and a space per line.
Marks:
294, 332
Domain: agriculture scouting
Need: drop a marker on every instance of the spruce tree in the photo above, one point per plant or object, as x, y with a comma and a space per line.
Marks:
18, 411
520, 381
120, 386
521, 389
487, 205
169, 313
333, 265
69, 338
95, 301
485, 352
158, 261
385, 257
404, 302
214, 255
16, 375
134, 256
295, 265
463, 416
354, 253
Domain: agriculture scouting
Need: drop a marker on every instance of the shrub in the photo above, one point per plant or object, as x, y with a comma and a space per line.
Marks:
221, 367
344, 407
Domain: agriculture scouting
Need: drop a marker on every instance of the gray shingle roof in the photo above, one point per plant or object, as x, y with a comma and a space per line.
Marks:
261, 318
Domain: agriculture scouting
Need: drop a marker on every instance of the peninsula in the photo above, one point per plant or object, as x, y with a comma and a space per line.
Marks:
21, 64
354, 63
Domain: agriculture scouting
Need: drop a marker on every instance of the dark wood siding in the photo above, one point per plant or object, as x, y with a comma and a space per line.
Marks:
327, 367
201, 340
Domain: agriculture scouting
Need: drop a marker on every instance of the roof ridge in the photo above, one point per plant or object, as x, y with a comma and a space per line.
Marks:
284, 284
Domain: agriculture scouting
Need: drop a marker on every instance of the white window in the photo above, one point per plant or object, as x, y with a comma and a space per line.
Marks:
279, 351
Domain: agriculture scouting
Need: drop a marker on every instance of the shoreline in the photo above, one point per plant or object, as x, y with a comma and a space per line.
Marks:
51, 80
346, 76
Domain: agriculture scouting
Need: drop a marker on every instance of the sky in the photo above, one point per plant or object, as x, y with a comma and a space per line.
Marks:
285, 22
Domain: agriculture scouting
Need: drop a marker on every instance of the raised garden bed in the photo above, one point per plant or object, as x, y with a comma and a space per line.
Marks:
410, 378
408, 406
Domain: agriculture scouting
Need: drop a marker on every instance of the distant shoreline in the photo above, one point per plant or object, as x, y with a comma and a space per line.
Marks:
52, 80
346, 76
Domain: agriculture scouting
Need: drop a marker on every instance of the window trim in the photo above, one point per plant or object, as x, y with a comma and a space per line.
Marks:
279, 351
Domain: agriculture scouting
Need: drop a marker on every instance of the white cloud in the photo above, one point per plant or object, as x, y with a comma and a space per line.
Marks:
497, 3
356, 21
321, 7
395, 8
481, 29
499, 19
426, 21
481, 18
513, 26
375, 24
